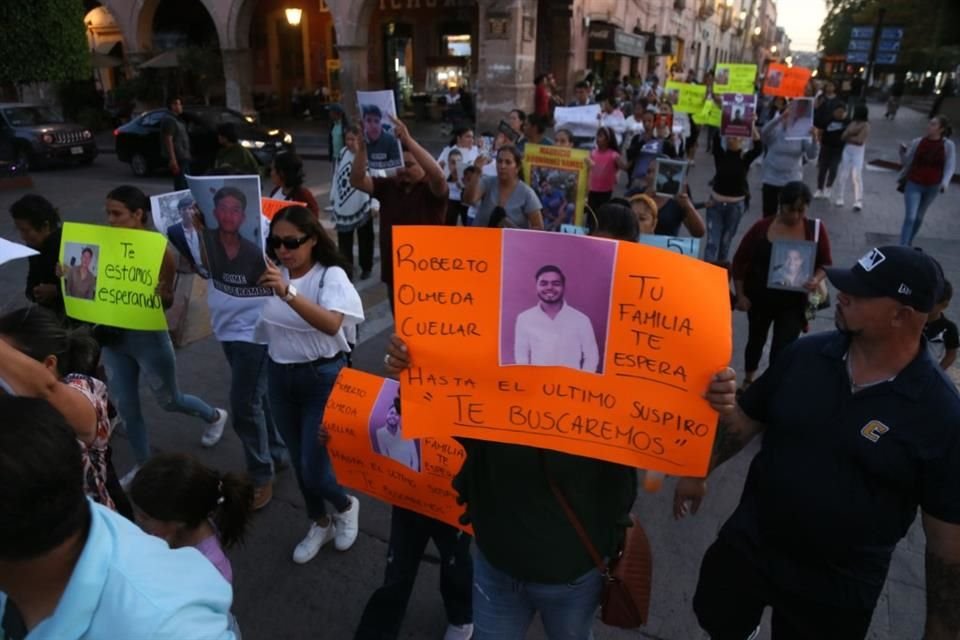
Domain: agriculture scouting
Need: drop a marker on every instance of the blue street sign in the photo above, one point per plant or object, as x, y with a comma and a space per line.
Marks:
858, 57
861, 33
885, 58
889, 46
891, 33
859, 45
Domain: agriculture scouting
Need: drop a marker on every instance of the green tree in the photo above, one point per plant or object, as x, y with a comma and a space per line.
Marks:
43, 41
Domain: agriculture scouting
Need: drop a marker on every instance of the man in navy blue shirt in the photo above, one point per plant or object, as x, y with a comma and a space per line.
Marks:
860, 428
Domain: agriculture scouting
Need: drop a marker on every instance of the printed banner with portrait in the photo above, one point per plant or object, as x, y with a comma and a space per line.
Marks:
559, 177
739, 113
787, 82
578, 344
231, 238
110, 276
383, 147
370, 453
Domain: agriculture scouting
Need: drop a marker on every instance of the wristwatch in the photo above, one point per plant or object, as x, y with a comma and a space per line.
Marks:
291, 293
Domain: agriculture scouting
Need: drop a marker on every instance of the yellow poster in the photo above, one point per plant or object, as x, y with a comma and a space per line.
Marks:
735, 78
621, 376
110, 276
685, 98
559, 177
710, 114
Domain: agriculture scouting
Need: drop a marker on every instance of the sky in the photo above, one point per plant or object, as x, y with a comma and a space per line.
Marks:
801, 19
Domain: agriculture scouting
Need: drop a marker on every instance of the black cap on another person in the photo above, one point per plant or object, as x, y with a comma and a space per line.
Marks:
905, 274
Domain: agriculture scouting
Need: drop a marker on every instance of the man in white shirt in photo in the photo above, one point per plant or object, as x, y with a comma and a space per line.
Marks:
552, 333
391, 443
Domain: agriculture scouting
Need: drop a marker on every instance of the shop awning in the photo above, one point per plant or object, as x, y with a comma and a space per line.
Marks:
606, 37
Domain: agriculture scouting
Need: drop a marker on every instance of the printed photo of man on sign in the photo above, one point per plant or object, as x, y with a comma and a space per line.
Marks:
386, 433
377, 111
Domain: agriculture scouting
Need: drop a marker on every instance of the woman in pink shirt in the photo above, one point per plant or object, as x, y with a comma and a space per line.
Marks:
605, 163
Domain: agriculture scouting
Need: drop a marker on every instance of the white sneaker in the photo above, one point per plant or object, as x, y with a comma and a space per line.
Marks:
127, 480
348, 525
838, 202
310, 546
818, 194
827, 193
858, 206
214, 432
458, 632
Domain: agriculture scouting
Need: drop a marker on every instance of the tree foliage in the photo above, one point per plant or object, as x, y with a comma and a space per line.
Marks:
930, 41
43, 41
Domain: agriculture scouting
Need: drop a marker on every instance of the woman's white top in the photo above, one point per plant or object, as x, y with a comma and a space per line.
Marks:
288, 336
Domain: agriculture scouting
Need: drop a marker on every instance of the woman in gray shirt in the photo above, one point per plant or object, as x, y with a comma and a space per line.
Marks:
505, 200
783, 159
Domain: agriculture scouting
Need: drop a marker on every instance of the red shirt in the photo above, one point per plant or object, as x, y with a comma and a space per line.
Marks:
541, 101
928, 161
419, 206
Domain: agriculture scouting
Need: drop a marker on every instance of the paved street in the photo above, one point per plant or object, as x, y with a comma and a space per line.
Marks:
275, 598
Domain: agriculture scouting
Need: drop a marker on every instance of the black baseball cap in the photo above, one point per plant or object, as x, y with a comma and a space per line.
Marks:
905, 274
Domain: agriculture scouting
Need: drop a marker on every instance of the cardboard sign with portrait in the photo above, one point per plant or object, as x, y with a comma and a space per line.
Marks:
383, 147
671, 175
370, 452
559, 177
577, 344
785, 81
231, 240
791, 264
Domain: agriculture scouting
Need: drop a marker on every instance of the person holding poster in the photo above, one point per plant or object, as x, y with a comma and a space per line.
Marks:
644, 149
383, 147
843, 411
529, 560
416, 195
308, 326
352, 208
128, 353
783, 159
38, 223
727, 202
785, 310
672, 211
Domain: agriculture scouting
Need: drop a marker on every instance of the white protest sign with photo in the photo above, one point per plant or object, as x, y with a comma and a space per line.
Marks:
232, 243
671, 175
12, 251
173, 217
383, 147
582, 122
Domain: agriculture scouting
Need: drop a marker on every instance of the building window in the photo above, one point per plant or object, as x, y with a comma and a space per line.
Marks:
457, 45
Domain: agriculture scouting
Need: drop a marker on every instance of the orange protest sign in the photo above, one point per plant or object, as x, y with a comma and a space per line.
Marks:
270, 206
370, 453
630, 336
788, 82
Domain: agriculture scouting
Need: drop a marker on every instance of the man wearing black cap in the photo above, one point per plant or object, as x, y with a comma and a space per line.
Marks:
860, 428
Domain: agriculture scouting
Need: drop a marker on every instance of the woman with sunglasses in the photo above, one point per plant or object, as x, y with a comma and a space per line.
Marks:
505, 200
128, 353
308, 326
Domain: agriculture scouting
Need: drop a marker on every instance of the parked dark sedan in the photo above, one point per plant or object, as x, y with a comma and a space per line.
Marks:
138, 141
36, 136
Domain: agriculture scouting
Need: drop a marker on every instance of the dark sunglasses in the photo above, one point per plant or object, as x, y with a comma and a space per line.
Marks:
275, 242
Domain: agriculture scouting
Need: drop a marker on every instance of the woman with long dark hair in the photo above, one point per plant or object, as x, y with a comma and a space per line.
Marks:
505, 199
288, 176
928, 166
308, 328
605, 165
127, 353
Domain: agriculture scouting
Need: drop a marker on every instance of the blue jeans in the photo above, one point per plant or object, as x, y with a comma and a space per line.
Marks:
298, 395
723, 218
917, 199
503, 607
150, 353
262, 445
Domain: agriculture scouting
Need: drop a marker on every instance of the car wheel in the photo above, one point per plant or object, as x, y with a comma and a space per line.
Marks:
139, 165
23, 159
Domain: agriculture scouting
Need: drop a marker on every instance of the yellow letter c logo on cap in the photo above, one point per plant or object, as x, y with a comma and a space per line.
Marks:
873, 430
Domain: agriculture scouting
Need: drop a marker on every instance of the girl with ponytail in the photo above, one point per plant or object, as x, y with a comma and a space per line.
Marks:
41, 358
177, 498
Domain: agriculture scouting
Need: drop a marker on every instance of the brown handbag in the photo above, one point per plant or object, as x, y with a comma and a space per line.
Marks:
627, 578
